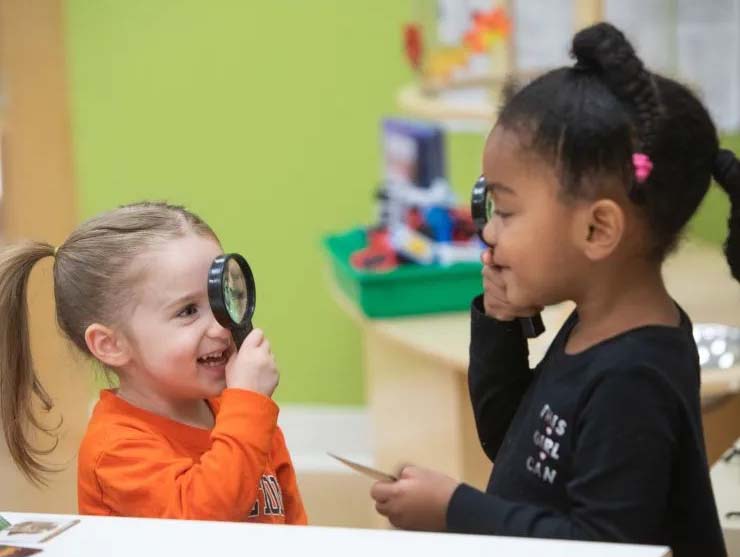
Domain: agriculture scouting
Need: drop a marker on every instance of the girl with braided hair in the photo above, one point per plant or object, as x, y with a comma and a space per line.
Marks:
593, 171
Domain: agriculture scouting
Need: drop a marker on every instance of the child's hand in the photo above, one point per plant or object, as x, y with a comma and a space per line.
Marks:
495, 302
253, 367
417, 501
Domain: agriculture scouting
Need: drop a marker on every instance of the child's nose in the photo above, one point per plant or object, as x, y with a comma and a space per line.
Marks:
490, 235
216, 330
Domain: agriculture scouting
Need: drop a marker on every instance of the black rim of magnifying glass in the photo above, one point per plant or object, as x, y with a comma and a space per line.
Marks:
216, 290
478, 205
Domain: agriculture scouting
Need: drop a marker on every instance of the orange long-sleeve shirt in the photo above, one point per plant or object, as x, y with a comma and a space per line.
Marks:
135, 463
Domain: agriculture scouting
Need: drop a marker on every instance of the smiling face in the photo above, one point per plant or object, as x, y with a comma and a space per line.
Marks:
177, 349
532, 229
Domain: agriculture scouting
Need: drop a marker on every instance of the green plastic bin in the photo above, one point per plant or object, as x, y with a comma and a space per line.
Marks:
408, 290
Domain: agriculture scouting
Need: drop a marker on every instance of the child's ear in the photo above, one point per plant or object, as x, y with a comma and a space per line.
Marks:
107, 345
601, 229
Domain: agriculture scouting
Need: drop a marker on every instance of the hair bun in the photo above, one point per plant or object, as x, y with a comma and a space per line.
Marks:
603, 48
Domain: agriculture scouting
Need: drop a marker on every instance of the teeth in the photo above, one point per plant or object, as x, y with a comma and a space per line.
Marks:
213, 356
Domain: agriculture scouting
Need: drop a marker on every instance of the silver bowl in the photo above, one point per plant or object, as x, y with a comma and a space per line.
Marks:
718, 345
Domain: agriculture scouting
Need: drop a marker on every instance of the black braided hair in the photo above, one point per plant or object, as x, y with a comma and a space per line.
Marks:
588, 120
604, 50
727, 174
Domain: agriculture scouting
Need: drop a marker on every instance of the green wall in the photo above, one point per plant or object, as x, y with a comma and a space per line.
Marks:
261, 116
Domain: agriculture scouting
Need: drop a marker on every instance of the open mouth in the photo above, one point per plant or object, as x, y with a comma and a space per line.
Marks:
215, 359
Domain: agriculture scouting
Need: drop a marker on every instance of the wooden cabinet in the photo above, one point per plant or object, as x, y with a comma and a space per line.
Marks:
39, 203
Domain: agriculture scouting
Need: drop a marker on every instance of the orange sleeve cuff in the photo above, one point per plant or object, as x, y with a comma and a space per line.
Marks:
248, 417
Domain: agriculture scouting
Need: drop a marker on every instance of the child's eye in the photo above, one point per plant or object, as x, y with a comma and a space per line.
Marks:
188, 311
492, 210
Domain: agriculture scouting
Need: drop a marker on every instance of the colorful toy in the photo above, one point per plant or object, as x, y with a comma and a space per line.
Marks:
379, 256
418, 217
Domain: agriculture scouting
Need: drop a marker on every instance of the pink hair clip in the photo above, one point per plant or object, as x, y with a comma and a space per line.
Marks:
643, 166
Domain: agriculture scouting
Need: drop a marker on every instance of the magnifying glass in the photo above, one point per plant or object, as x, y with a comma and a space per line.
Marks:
232, 294
481, 208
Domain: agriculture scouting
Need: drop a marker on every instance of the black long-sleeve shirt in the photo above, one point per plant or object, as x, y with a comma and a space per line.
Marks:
602, 445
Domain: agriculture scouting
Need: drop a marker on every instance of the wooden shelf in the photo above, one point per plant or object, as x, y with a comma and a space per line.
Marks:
473, 114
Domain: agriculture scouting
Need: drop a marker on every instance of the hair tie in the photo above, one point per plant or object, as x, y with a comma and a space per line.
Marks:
643, 166
56, 250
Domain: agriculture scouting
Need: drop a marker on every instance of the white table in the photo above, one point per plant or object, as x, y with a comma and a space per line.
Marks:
126, 537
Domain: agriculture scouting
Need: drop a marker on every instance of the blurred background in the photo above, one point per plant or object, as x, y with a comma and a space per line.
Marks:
264, 118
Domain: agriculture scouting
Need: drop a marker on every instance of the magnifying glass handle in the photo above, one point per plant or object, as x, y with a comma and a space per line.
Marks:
240, 333
532, 326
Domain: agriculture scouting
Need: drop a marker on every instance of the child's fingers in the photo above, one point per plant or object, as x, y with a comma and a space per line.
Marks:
509, 313
494, 281
382, 491
407, 471
232, 355
402, 470
494, 297
492, 289
499, 309
383, 508
493, 285
255, 338
494, 277
487, 257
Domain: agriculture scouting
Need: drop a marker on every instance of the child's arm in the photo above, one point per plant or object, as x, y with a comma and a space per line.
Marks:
142, 475
624, 454
498, 374
294, 511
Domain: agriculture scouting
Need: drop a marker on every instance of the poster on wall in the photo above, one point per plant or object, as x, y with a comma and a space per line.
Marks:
677, 38
541, 47
709, 31
650, 25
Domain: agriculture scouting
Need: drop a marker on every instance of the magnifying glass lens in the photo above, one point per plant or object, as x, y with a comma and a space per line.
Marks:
490, 206
236, 295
